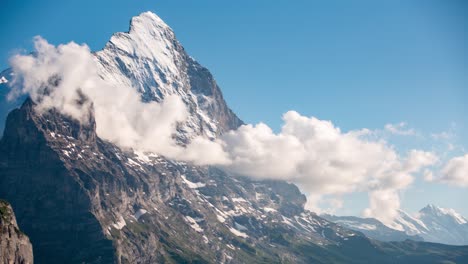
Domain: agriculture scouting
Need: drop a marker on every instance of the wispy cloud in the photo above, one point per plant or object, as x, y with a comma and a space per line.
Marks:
449, 134
400, 129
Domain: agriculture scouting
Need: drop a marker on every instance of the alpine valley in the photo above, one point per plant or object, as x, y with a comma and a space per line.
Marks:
82, 199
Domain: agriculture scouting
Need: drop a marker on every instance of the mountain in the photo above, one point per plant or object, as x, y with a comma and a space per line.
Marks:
436, 224
150, 58
432, 224
372, 228
14, 244
409, 224
82, 199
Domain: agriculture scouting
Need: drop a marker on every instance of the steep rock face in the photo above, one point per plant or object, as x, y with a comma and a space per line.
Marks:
150, 59
14, 244
80, 196
52, 206
82, 199
409, 224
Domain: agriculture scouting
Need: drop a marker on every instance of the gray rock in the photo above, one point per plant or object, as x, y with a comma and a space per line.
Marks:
14, 244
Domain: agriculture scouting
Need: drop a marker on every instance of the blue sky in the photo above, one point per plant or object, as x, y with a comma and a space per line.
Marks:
360, 64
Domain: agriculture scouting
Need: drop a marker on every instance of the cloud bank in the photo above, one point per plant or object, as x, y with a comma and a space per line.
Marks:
314, 154
325, 162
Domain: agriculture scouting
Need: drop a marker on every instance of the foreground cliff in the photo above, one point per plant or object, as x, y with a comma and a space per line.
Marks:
14, 244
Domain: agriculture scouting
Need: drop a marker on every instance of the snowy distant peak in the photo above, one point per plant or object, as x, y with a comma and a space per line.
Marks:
431, 208
435, 224
435, 211
6, 76
432, 223
411, 225
3, 80
372, 228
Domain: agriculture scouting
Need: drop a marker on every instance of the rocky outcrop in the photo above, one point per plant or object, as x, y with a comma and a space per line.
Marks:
14, 244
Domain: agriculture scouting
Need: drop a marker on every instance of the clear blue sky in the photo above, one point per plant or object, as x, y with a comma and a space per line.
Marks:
357, 63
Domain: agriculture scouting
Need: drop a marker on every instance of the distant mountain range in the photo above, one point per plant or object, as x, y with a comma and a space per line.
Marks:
430, 224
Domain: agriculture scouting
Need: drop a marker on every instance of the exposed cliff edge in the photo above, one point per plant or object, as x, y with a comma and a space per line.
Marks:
14, 244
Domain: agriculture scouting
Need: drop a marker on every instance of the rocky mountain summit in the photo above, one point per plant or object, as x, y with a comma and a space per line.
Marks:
149, 58
14, 244
82, 199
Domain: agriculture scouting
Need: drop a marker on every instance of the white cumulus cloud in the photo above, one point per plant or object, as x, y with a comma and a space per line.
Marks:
455, 172
325, 162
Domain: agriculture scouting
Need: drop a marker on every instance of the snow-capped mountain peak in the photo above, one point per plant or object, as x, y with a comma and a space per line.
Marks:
435, 224
149, 50
150, 59
149, 21
409, 224
448, 213
3, 80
